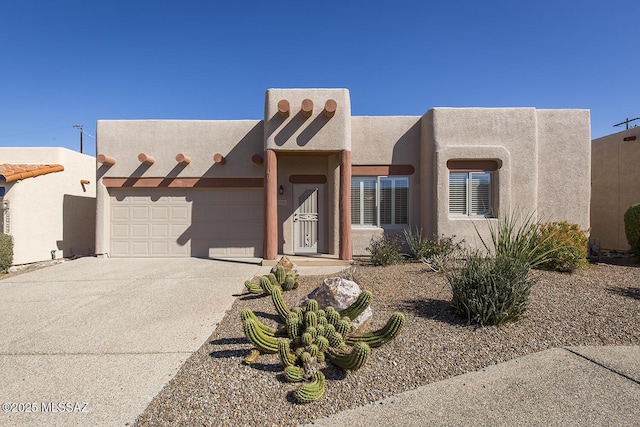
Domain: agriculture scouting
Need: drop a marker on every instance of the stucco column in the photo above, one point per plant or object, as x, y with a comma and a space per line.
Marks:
270, 205
346, 246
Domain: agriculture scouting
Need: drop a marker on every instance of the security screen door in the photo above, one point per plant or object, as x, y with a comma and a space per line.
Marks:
307, 229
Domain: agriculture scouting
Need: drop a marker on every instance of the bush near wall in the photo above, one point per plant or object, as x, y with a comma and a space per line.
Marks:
385, 250
6, 252
632, 227
566, 245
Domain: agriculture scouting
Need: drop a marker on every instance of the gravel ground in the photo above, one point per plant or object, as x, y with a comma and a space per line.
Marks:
599, 305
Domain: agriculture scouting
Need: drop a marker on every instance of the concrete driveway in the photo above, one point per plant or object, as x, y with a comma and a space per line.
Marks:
92, 341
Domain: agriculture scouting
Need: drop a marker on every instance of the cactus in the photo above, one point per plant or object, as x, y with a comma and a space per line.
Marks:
358, 306
350, 361
312, 391
248, 314
289, 282
312, 305
266, 285
252, 288
293, 325
313, 336
253, 355
263, 342
286, 357
280, 275
294, 374
311, 319
381, 336
343, 327
272, 279
278, 302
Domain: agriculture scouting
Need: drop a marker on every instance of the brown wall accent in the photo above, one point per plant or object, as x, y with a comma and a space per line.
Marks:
473, 165
106, 160
85, 182
330, 108
382, 170
344, 205
257, 159
143, 158
270, 205
307, 107
182, 182
181, 158
219, 158
308, 179
284, 108
629, 138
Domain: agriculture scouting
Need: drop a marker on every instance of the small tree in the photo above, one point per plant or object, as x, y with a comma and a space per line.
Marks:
632, 227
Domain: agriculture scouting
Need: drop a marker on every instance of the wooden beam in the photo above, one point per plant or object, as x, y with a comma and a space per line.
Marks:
330, 108
307, 107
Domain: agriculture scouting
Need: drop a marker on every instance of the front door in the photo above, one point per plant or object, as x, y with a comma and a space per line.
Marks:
307, 230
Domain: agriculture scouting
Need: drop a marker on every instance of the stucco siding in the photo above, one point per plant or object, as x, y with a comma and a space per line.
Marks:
564, 166
52, 212
615, 186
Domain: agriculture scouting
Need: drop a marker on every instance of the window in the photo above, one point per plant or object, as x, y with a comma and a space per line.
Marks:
379, 201
470, 193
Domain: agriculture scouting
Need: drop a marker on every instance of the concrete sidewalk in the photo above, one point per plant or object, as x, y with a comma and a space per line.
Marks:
574, 386
101, 337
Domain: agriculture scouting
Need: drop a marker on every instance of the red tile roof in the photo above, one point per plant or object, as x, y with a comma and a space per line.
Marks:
13, 172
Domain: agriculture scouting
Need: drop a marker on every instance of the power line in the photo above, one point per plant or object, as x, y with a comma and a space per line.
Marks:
626, 122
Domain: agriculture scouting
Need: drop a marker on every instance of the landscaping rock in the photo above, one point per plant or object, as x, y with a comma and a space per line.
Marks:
339, 293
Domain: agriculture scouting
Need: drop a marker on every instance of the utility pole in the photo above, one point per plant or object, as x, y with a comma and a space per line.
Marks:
79, 127
626, 122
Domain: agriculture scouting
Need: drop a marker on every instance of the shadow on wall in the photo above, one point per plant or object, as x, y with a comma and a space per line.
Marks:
79, 226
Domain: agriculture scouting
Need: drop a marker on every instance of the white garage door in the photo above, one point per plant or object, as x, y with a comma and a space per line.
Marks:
186, 222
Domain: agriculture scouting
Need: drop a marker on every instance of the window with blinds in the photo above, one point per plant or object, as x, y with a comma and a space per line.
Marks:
470, 193
379, 201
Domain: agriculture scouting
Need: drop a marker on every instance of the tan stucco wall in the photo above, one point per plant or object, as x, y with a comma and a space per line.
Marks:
315, 133
200, 140
615, 186
387, 140
527, 144
52, 211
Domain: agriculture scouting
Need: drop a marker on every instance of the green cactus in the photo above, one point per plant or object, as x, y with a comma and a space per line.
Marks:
381, 336
321, 357
311, 319
272, 279
278, 302
289, 282
333, 317
294, 374
280, 275
350, 361
262, 341
322, 343
313, 331
311, 391
248, 314
312, 305
358, 306
252, 288
306, 338
266, 285
293, 325
344, 326
286, 357
335, 339
313, 349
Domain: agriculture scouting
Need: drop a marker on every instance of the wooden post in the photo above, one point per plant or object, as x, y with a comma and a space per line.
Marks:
346, 245
270, 205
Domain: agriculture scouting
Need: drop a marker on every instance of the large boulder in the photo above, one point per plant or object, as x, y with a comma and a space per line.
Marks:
339, 293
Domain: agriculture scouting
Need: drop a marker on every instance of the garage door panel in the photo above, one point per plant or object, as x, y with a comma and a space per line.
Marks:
186, 222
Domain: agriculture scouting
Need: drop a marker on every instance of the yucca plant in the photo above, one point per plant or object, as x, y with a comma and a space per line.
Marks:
513, 238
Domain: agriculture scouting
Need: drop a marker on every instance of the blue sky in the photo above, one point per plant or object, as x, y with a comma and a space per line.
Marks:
75, 62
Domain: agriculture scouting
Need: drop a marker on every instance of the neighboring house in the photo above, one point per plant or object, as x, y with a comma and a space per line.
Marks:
48, 201
311, 178
615, 186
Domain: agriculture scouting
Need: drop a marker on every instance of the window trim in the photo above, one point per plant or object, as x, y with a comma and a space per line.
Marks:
377, 183
469, 194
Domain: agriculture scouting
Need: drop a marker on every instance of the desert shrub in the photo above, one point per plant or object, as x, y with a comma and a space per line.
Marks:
566, 245
6, 252
434, 251
385, 250
512, 238
632, 227
490, 290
